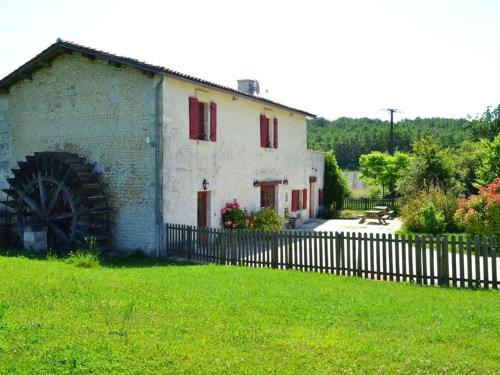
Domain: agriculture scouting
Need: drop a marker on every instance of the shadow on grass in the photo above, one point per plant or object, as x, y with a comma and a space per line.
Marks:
137, 261
122, 261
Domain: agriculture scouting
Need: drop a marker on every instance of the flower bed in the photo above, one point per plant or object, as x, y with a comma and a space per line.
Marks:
234, 217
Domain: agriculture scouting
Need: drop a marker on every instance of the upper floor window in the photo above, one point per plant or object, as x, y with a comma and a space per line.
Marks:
268, 133
202, 120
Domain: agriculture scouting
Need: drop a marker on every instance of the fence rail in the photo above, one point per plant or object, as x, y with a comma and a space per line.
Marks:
362, 204
425, 260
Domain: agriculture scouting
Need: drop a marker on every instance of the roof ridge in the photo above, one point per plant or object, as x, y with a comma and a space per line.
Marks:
35, 63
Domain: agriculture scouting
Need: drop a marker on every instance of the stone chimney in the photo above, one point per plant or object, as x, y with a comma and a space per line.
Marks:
249, 86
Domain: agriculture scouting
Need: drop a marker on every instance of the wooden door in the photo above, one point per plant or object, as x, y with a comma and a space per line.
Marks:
312, 208
202, 209
267, 196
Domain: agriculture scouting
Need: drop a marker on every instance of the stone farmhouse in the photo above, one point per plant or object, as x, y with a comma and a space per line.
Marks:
94, 143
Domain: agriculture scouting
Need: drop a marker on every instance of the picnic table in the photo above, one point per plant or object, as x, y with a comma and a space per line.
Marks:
380, 213
373, 214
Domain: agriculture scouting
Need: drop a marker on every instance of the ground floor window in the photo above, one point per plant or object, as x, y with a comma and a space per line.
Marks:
267, 196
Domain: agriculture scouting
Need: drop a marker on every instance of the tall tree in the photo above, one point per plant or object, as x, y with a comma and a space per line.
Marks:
379, 168
335, 187
489, 167
486, 126
431, 165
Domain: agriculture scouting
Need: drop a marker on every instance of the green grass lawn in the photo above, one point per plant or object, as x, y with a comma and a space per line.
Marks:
145, 317
348, 214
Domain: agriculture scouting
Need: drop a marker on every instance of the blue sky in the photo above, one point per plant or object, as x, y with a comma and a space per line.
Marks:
333, 58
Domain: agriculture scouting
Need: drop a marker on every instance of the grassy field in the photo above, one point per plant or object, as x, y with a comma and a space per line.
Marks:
138, 316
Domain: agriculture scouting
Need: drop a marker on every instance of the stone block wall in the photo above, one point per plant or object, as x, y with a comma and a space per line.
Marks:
103, 112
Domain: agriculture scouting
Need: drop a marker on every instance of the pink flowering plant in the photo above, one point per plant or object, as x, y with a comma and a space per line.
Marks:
234, 217
480, 214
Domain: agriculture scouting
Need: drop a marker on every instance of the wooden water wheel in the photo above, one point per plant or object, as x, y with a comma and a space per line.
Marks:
62, 193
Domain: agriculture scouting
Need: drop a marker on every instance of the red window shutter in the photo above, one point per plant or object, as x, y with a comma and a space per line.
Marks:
213, 122
304, 203
263, 131
295, 200
275, 132
194, 118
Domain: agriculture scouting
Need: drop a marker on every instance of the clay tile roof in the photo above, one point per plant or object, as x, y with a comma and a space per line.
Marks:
61, 46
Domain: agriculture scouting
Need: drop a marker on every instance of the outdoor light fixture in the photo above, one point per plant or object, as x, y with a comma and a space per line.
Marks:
205, 184
285, 181
255, 183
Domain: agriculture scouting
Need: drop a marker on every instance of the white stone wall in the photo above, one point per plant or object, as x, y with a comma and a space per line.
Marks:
233, 162
107, 114
99, 111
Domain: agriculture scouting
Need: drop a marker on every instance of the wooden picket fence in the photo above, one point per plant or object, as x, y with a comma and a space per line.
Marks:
425, 260
363, 204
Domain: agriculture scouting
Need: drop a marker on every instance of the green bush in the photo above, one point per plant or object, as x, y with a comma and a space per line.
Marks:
327, 212
336, 187
268, 220
430, 219
83, 259
445, 203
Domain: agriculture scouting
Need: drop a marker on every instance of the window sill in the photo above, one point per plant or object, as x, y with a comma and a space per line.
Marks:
203, 141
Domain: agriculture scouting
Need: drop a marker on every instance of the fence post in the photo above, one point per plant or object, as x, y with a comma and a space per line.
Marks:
189, 249
418, 260
340, 253
445, 273
337, 253
289, 254
233, 248
274, 250
440, 260
223, 246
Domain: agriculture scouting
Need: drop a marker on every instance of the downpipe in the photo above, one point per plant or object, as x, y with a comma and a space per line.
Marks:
158, 170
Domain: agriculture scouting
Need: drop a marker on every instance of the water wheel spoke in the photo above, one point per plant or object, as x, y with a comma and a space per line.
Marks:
60, 234
54, 199
31, 203
41, 188
67, 215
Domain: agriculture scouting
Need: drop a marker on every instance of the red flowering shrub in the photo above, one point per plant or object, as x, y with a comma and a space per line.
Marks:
480, 214
234, 217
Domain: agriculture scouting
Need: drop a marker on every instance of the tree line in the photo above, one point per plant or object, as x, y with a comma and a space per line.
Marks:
349, 138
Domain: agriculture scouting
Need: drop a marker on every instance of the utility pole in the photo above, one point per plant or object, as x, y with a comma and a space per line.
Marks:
391, 136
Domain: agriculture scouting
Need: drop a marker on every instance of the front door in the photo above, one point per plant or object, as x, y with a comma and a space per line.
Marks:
202, 209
